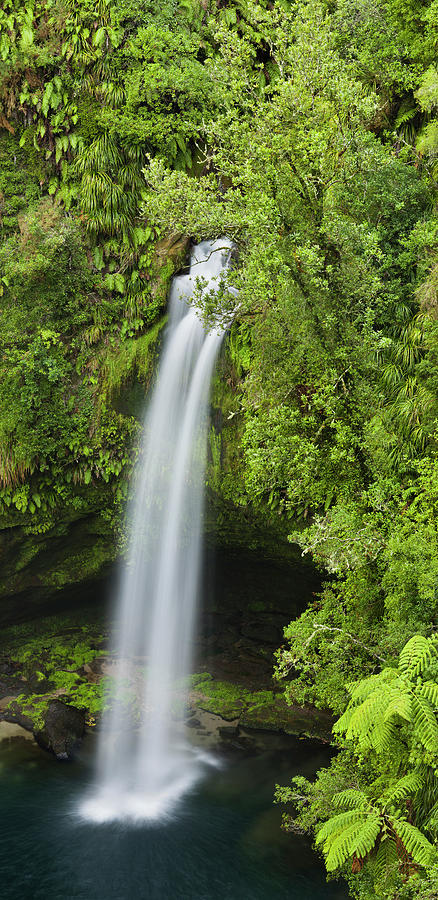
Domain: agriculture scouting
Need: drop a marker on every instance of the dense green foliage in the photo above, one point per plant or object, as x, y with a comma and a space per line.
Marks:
308, 132
80, 286
375, 809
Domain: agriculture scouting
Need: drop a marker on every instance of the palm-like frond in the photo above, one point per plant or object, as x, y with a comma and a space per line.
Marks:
349, 834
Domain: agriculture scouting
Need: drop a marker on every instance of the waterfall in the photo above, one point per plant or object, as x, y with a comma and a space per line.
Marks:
144, 761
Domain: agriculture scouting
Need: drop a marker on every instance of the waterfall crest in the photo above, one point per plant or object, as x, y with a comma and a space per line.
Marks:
144, 761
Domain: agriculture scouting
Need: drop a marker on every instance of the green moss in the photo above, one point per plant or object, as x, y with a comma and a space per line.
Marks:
55, 658
80, 566
226, 699
263, 710
21, 172
270, 714
131, 357
169, 256
34, 706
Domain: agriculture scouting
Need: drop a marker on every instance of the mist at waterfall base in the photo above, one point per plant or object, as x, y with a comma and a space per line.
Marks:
145, 763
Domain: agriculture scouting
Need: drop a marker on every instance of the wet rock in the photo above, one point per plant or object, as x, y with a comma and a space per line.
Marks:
228, 731
7, 668
10, 731
193, 723
10, 687
63, 728
264, 631
11, 712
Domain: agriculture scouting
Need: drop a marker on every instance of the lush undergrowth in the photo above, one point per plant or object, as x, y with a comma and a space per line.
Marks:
307, 132
52, 658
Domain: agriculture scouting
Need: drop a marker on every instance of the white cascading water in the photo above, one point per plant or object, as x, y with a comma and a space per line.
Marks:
144, 762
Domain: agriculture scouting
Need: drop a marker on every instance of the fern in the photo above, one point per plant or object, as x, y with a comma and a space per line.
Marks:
382, 702
429, 690
386, 859
360, 690
384, 735
344, 845
334, 826
364, 718
416, 844
431, 823
425, 722
416, 655
399, 705
368, 835
405, 787
351, 799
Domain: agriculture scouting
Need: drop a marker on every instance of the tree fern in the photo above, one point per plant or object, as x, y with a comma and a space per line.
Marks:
392, 714
381, 703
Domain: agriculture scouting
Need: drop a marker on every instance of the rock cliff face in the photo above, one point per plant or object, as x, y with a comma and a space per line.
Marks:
52, 666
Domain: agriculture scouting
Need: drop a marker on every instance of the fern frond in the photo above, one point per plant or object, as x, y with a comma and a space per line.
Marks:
383, 735
367, 837
405, 787
416, 655
351, 799
416, 844
425, 722
334, 826
343, 846
431, 822
429, 689
342, 724
399, 705
360, 690
386, 859
368, 716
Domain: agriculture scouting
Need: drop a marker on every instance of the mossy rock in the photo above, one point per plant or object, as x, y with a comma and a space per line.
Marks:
259, 710
169, 256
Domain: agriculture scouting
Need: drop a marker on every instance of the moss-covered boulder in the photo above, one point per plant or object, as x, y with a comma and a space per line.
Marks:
63, 728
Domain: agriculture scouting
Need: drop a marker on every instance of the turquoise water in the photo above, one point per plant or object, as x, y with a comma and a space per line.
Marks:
224, 842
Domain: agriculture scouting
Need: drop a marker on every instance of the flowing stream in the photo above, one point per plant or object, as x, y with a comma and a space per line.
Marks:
144, 762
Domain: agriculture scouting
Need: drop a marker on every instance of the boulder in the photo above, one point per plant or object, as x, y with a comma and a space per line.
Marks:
63, 728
